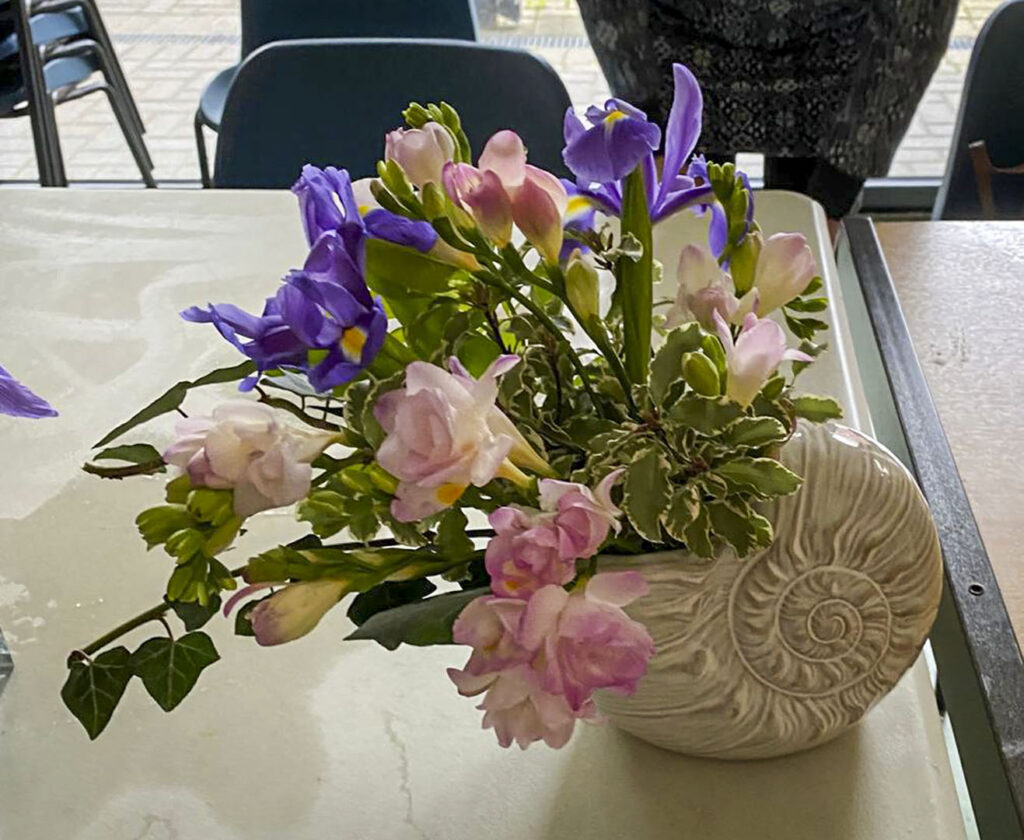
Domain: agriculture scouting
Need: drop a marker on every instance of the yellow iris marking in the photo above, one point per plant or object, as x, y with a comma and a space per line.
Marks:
612, 118
352, 341
578, 204
364, 209
448, 494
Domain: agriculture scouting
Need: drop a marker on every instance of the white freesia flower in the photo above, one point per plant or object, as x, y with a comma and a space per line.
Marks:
242, 446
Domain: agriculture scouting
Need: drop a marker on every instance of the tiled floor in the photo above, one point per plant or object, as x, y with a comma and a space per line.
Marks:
170, 48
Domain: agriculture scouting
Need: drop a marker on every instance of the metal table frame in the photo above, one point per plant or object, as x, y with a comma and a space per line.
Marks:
981, 672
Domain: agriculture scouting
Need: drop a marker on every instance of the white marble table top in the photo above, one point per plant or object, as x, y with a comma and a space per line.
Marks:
316, 739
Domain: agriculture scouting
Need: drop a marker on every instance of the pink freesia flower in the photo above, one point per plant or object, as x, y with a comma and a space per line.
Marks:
244, 447
518, 709
505, 188
541, 659
704, 288
525, 553
582, 516
785, 266
754, 357
583, 641
421, 152
534, 548
292, 611
442, 436
482, 194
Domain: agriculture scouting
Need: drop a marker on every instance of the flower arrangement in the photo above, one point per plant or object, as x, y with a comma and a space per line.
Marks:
447, 356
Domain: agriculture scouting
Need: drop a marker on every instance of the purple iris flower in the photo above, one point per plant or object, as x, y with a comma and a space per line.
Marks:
325, 306
601, 156
19, 401
383, 224
326, 203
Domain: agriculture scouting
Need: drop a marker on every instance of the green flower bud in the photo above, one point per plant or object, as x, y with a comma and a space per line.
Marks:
744, 261
701, 375
581, 286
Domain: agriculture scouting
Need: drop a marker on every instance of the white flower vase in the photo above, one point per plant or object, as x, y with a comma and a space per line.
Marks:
785, 649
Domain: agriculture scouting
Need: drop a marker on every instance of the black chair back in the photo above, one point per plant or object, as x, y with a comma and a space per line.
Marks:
332, 101
264, 21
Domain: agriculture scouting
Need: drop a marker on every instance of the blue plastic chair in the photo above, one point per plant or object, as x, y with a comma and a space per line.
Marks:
331, 102
992, 112
266, 21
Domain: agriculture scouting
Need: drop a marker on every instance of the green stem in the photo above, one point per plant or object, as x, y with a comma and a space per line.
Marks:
636, 279
551, 326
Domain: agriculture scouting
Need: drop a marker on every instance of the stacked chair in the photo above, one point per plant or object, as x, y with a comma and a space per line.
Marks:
985, 171
267, 21
56, 51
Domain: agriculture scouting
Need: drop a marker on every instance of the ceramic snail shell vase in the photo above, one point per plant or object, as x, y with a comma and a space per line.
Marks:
785, 649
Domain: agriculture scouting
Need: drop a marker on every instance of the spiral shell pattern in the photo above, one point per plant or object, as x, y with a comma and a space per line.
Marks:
784, 650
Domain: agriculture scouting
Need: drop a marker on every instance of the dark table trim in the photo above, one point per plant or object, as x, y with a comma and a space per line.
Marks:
981, 672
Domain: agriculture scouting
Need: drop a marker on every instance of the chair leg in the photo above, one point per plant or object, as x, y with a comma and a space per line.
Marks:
48, 116
99, 30
204, 162
107, 69
135, 142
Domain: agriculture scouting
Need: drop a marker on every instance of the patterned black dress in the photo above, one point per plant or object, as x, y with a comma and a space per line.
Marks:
833, 80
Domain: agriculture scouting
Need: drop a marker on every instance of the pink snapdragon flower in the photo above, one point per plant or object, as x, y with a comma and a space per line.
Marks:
421, 152
754, 357
443, 434
541, 659
534, 548
504, 188
244, 447
704, 288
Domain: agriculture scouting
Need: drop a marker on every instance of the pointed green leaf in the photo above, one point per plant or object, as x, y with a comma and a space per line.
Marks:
816, 409
93, 689
765, 477
754, 432
646, 492
426, 622
667, 365
805, 304
730, 523
451, 540
169, 668
388, 596
698, 534
157, 524
395, 271
175, 395
682, 511
704, 415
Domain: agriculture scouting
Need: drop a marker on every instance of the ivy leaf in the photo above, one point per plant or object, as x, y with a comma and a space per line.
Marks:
646, 492
667, 365
451, 535
387, 596
816, 409
426, 622
94, 688
754, 432
765, 477
143, 458
194, 615
682, 511
706, 416
175, 396
698, 534
169, 668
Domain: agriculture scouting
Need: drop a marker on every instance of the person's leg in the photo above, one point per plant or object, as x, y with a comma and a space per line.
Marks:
836, 191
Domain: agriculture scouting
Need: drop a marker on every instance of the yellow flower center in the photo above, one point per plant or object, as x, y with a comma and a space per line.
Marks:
448, 494
352, 341
612, 118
